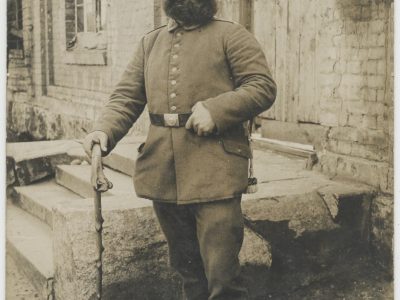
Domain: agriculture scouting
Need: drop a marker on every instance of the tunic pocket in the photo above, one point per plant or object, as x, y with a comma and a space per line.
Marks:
236, 148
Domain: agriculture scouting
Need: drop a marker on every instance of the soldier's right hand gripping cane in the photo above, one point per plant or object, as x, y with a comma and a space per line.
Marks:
94, 144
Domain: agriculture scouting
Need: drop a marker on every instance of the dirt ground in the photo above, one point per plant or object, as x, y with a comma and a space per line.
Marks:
18, 286
361, 281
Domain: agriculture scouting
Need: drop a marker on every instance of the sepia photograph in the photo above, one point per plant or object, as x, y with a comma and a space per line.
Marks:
199, 150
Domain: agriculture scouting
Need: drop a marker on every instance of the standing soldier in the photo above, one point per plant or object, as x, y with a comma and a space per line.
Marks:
201, 79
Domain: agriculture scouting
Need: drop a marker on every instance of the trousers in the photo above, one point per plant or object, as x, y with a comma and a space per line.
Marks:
204, 242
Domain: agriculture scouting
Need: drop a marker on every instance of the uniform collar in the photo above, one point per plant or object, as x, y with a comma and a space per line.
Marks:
172, 25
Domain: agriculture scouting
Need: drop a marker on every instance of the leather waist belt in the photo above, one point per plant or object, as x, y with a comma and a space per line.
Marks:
169, 120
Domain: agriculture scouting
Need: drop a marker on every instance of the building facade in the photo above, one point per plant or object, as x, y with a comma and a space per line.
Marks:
332, 61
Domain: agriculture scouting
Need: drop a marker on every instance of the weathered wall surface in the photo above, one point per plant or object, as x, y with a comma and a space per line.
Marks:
333, 62
68, 90
382, 230
358, 93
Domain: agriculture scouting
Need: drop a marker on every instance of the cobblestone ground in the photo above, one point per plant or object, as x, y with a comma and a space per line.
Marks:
363, 282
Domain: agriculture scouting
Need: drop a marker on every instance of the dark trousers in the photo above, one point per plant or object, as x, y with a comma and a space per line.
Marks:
204, 241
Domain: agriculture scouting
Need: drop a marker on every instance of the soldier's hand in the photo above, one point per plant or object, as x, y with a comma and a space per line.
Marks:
95, 137
200, 121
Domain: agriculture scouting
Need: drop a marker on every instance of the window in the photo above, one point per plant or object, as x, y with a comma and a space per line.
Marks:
84, 18
14, 24
89, 16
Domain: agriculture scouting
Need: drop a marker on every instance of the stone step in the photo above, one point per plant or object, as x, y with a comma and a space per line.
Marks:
300, 219
77, 179
290, 148
28, 162
135, 251
29, 242
39, 199
122, 158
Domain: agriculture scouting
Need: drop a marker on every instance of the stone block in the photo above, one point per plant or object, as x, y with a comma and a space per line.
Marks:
381, 67
298, 215
39, 198
330, 80
382, 230
380, 95
306, 229
373, 152
77, 179
354, 80
376, 53
32, 161
329, 119
29, 243
376, 26
344, 147
361, 135
354, 67
354, 120
123, 158
372, 67
376, 81
363, 170
369, 121
311, 134
340, 67
136, 254
371, 95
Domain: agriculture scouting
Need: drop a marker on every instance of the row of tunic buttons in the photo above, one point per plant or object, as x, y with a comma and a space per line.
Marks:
174, 70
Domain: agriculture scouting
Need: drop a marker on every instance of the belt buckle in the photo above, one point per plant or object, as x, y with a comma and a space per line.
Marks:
171, 120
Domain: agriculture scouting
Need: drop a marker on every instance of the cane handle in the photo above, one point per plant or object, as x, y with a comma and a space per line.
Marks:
98, 180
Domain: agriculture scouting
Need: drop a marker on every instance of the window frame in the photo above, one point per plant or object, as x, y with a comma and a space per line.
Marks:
85, 56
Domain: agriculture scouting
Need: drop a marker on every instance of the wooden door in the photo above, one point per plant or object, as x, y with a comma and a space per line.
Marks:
287, 31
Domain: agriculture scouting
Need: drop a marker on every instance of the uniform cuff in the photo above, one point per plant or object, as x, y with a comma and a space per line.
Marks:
216, 115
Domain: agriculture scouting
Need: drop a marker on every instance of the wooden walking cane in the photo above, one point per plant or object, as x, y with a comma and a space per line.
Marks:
100, 185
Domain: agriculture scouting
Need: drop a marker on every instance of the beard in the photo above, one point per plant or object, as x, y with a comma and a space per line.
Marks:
190, 12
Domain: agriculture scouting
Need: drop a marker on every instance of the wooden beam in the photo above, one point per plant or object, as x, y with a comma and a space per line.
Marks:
246, 14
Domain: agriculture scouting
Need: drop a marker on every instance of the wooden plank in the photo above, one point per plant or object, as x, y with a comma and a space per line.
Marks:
281, 47
308, 108
264, 24
245, 14
229, 10
293, 63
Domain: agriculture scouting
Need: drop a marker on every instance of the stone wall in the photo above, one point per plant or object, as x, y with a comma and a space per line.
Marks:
68, 88
357, 92
353, 133
335, 83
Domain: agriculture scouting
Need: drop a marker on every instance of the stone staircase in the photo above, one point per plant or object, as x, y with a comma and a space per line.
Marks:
298, 225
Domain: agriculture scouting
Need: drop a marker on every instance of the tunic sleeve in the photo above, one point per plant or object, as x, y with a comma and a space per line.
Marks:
255, 89
126, 102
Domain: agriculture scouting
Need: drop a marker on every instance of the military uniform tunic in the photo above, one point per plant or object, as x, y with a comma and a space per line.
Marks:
220, 64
